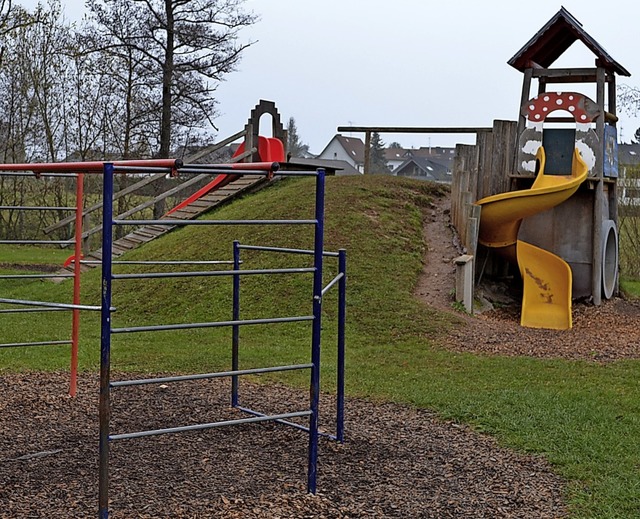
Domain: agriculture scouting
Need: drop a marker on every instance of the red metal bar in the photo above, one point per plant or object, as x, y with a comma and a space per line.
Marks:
75, 320
89, 167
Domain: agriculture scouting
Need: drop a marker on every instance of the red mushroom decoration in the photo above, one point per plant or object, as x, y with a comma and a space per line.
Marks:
542, 105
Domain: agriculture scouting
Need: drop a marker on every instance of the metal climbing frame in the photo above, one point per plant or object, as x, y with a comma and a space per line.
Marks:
341, 280
107, 330
17, 170
69, 170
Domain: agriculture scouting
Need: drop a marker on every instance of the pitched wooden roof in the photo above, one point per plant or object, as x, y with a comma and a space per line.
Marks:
550, 42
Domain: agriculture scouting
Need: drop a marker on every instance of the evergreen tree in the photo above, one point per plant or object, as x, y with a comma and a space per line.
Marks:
295, 147
378, 162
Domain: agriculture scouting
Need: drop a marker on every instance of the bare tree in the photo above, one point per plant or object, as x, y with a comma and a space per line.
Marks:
187, 46
295, 146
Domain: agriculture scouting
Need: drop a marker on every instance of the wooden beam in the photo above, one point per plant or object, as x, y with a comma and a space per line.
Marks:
413, 129
570, 75
367, 153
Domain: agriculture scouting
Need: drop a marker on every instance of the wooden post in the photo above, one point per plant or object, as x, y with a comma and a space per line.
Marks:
524, 97
367, 153
86, 225
249, 141
598, 203
502, 156
464, 281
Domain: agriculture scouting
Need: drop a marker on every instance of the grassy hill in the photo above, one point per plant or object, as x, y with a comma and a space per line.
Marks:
583, 416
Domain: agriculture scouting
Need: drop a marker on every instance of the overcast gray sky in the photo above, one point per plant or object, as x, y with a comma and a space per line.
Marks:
404, 62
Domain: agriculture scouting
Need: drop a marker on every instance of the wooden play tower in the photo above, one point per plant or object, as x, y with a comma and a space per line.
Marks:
583, 229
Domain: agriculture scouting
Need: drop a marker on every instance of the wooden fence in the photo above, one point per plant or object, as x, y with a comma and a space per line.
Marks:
478, 171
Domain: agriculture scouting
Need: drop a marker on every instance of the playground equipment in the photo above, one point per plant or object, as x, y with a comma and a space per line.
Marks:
42, 172
582, 230
546, 302
108, 312
106, 385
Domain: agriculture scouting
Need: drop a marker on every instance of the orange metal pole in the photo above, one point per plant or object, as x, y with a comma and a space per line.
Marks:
89, 167
75, 321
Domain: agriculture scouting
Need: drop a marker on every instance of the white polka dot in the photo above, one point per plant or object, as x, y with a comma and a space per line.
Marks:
545, 109
570, 98
558, 101
546, 98
532, 107
583, 117
572, 108
537, 116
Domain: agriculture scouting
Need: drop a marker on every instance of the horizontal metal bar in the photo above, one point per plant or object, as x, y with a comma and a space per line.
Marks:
36, 242
52, 305
36, 208
332, 282
24, 174
35, 276
88, 167
42, 343
214, 222
200, 427
286, 422
284, 249
141, 169
149, 275
24, 310
158, 328
204, 376
127, 262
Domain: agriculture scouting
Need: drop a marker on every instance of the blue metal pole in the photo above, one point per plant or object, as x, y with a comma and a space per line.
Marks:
318, 248
235, 334
105, 341
342, 318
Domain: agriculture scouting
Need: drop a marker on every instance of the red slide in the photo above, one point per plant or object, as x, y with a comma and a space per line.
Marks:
270, 149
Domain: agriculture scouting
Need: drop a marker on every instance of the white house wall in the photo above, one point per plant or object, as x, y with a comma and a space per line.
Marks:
335, 151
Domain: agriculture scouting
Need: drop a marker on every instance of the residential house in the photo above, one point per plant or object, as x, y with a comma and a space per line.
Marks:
442, 156
423, 169
347, 149
629, 174
395, 157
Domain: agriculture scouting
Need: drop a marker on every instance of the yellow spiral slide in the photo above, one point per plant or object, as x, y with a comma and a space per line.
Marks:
546, 299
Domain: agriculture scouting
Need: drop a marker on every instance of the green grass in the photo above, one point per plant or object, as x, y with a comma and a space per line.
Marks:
630, 287
583, 417
30, 254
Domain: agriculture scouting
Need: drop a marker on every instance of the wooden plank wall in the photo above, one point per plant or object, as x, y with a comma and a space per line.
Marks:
479, 171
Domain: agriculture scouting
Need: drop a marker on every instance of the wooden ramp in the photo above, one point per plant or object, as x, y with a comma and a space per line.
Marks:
134, 239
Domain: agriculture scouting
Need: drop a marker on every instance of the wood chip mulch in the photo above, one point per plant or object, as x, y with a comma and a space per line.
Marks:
602, 333
397, 461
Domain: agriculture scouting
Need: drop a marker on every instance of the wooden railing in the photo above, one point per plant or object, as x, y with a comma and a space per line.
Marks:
147, 181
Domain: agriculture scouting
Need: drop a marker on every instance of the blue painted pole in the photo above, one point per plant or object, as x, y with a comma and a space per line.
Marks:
318, 249
235, 333
342, 318
105, 341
